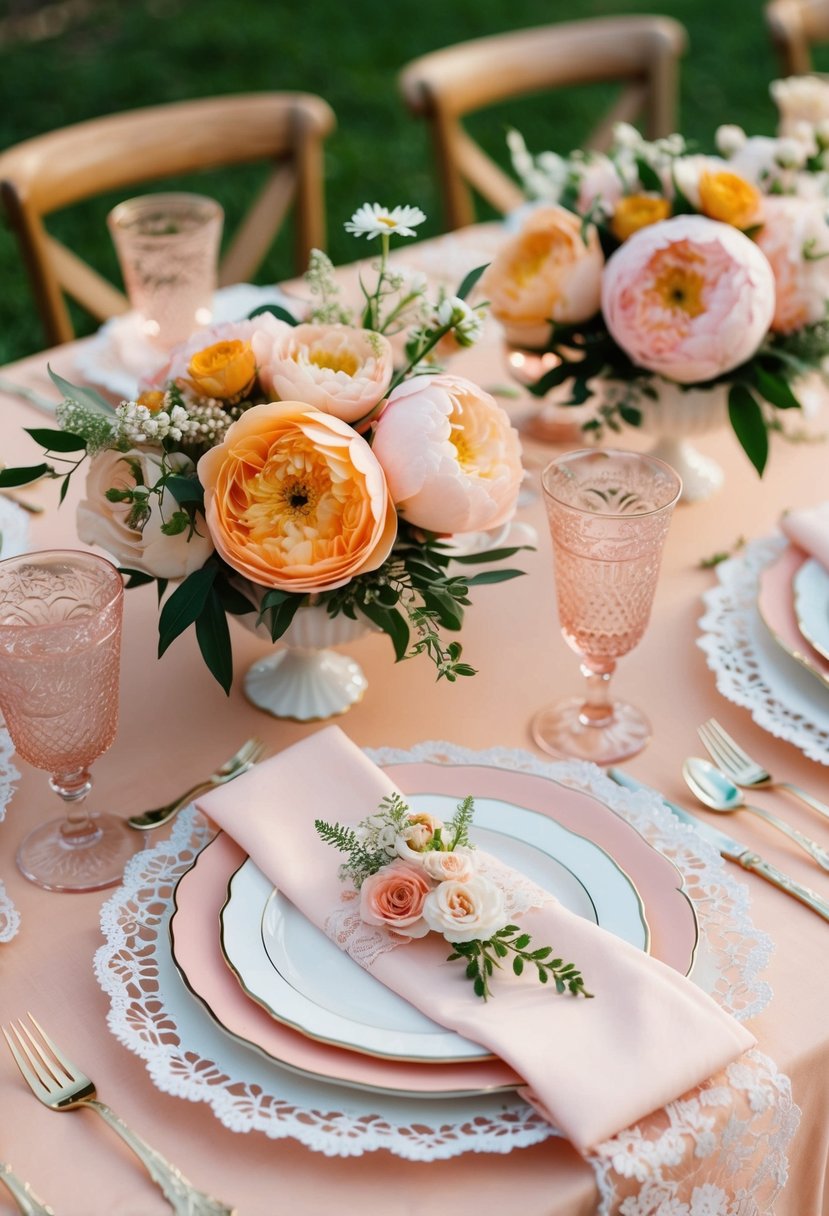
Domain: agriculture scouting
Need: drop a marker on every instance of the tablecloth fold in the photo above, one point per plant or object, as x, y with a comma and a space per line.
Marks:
593, 1066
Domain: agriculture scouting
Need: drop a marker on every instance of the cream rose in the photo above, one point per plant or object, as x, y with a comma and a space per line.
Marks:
104, 523
458, 865
799, 100
795, 239
417, 836
335, 368
547, 272
450, 454
296, 500
465, 911
394, 897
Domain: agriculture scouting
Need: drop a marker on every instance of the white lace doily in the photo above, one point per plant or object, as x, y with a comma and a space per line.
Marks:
186, 1054
9, 916
750, 668
14, 528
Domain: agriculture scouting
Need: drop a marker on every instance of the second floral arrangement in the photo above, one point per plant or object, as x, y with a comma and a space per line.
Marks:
273, 465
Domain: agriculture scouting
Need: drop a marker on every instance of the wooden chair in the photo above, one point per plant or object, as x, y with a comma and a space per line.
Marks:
795, 25
640, 52
55, 170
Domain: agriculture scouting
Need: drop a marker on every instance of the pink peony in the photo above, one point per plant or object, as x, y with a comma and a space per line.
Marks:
334, 368
394, 897
451, 457
793, 228
689, 298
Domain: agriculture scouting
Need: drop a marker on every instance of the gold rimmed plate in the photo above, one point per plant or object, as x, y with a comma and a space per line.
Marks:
775, 604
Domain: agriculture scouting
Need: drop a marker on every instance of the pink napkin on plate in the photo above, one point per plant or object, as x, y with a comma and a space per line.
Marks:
592, 1066
808, 528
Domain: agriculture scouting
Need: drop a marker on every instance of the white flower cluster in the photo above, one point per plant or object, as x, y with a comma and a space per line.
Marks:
467, 323
141, 425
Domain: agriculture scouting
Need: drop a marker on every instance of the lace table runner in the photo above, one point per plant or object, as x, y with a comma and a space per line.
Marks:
721, 1149
9, 916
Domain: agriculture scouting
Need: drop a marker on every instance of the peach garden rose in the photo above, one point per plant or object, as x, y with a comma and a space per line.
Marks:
689, 298
547, 272
335, 368
795, 239
296, 500
451, 457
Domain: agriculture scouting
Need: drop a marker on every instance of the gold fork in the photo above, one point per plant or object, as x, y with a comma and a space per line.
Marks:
743, 770
245, 758
61, 1085
23, 1195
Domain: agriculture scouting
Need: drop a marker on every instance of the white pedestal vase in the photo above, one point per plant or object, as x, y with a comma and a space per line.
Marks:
675, 417
303, 680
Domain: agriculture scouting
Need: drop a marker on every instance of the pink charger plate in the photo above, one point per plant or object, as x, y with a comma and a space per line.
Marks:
775, 603
202, 891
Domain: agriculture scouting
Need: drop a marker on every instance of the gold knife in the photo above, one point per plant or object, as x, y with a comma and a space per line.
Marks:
732, 850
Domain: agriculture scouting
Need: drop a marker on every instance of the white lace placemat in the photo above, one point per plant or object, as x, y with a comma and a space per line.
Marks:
736, 1127
750, 668
9, 916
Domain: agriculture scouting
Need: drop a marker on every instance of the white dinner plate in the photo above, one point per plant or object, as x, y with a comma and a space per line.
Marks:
305, 981
811, 604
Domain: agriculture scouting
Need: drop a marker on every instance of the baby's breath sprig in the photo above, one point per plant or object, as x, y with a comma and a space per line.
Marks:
482, 957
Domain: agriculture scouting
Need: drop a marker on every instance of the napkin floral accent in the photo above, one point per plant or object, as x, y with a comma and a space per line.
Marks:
409, 874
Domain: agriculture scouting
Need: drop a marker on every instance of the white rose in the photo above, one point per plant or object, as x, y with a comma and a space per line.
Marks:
104, 523
729, 138
458, 865
417, 836
800, 99
465, 911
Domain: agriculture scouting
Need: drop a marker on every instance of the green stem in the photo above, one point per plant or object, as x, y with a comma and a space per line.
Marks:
419, 354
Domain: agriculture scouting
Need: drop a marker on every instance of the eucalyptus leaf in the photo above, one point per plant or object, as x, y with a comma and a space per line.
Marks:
470, 280
392, 623
10, 478
84, 396
276, 310
493, 576
56, 441
776, 390
185, 489
213, 637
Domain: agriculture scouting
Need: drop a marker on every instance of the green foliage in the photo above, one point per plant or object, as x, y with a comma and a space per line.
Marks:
482, 957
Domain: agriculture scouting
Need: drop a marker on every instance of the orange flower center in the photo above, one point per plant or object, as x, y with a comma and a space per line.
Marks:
676, 284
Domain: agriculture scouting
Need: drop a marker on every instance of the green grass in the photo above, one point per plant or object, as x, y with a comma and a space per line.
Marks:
151, 51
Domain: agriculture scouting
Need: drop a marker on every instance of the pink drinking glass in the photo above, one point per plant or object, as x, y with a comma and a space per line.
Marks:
609, 513
60, 647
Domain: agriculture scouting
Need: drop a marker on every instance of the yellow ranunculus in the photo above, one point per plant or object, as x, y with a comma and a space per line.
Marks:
225, 370
731, 199
637, 211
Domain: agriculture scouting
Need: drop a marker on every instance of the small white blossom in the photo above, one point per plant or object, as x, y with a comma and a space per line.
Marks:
729, 138
791, 153
372, 220
140, 425
467, 323
626, 136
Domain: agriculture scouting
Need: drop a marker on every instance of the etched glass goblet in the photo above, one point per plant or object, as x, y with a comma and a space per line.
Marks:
609, 513
60, 646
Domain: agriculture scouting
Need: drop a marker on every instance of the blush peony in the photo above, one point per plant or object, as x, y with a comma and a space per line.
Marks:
394, 897
546, 272
295, 499
104, 523
180, 366
451, 457
689, 298
795, 239
335, 368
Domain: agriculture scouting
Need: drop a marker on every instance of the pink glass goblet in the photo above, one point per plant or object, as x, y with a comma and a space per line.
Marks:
60, 646
609, 513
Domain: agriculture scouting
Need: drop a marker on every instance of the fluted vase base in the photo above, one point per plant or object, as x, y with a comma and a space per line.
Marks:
305, 685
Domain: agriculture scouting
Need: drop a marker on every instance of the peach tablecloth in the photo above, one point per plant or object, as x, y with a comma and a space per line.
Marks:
175, 726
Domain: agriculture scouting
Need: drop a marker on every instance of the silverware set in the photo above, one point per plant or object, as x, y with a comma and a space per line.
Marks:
62, 1086
247, 755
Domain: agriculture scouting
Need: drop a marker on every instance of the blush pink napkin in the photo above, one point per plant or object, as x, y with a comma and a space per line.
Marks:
593, 1067
808, 528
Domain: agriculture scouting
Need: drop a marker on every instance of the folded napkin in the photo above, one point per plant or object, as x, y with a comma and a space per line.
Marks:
592, 1066
808, 528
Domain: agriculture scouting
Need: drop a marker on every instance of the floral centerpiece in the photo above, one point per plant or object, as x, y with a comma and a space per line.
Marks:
272, 465
654, 270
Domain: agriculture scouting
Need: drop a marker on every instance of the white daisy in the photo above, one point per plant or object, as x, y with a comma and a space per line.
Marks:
373, 220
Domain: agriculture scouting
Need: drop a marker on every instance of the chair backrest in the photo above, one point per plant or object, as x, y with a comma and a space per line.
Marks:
55, 170
795, 25
641, 53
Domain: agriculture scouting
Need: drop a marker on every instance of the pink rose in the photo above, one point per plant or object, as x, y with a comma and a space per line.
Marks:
792, 227
458, 865
451, 457
335, 368
689, 298
394, 897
